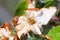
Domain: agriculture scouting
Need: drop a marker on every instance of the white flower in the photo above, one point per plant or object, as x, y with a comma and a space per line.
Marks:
40, 17
5, 32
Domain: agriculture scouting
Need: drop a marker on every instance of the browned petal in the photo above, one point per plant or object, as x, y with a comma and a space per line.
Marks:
5, 38
6, 24
15, 37
1, 26
21, 38
15, 20
32, 9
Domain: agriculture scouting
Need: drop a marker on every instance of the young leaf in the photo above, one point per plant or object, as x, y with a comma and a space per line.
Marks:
21, 7
54, 33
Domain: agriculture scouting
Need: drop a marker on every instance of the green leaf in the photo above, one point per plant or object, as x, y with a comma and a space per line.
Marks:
55, 33
46, 1
48, 4
21, 7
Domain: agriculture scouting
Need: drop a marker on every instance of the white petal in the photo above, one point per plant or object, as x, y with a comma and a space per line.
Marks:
47, 15
36, 29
